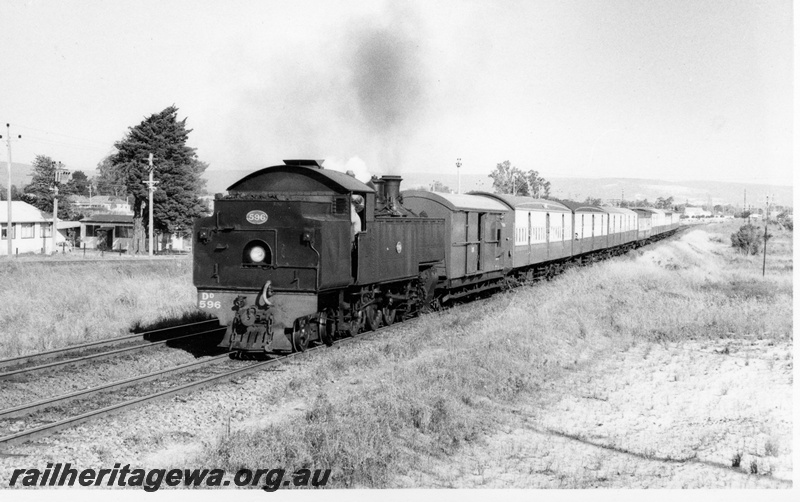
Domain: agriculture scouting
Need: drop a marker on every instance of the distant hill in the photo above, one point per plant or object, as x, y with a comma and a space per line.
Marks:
695, 192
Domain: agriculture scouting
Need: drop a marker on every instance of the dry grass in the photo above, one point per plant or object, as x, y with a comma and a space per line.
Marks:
44, 306
456, 377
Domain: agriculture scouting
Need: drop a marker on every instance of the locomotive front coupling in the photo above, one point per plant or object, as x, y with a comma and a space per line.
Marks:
266, 321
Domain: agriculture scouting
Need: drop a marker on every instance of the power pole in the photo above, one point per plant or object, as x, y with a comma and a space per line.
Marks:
766, 224
458, 170
10, 228
57, 175
151, 187
744, 207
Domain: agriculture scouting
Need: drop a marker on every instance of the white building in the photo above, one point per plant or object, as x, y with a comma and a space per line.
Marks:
114, 232
101, 204
31, 229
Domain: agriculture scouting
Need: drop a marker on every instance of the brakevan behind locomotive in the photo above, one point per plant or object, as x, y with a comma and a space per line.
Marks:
296, 254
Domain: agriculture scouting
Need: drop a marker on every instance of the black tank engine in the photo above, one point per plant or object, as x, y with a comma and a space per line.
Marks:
296, 253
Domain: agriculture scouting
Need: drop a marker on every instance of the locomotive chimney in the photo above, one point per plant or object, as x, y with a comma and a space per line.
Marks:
380, 194
391, 188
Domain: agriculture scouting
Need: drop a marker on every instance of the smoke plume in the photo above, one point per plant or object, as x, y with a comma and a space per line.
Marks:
387, 77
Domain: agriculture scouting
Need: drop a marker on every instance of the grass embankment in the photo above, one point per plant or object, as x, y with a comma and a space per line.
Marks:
45, 306
378, 411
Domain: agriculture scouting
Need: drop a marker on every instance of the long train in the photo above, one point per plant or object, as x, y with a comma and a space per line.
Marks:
297, 254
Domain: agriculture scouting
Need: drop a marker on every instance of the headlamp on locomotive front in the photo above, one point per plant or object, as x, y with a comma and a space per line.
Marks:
257, 253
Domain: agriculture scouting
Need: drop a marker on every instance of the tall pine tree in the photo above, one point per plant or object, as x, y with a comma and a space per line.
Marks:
177, 170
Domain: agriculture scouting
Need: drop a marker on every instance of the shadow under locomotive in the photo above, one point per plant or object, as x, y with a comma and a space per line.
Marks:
190, 333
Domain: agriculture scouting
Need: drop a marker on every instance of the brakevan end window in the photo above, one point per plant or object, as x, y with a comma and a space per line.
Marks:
47, 230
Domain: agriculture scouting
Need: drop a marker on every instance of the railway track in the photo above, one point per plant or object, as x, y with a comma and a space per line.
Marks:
205, 376
139, 341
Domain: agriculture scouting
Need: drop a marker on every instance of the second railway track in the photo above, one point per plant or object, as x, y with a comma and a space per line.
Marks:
31, 363
192, 376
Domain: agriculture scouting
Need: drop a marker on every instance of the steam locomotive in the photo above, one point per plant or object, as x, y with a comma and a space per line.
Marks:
297, 254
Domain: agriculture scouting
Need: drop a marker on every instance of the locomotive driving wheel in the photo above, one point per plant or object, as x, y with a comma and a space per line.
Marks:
300, 338
388, 313
327, 327
355, 324
373, 317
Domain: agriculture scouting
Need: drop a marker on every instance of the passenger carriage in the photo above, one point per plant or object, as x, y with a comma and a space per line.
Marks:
542, 229
622, 226
590, 228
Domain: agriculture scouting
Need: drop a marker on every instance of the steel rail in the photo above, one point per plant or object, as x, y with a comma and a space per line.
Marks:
15, 361
141, 346
47, 429
27, 409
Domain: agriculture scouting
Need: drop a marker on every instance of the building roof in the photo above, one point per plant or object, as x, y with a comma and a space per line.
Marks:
22, 212
108, 218
458, 202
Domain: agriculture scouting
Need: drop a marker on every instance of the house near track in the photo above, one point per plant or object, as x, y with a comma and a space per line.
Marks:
100, 204
31, 229
111, 232
114, 232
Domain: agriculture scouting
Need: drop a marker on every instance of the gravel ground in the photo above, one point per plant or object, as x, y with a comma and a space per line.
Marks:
171, 432
656, 416
62, 380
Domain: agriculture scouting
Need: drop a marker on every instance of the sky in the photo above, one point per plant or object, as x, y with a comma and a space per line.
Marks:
672, 90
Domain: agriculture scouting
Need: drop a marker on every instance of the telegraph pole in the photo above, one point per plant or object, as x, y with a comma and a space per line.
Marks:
57, 175
151, 187
766, 224
458, 170
10, 228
